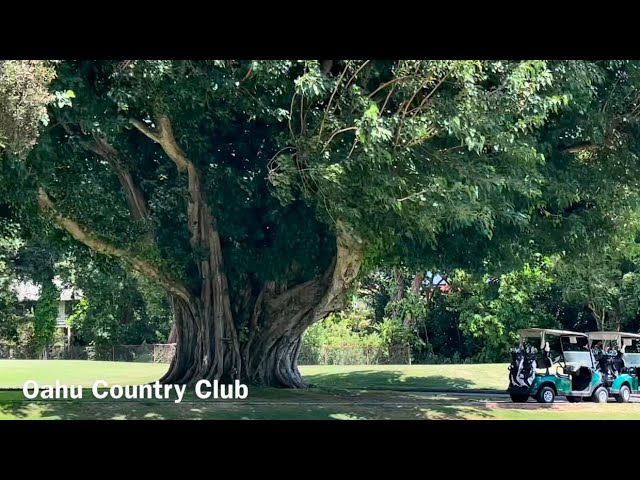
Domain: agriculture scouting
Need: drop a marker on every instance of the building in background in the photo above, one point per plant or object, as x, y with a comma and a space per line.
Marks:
28, 294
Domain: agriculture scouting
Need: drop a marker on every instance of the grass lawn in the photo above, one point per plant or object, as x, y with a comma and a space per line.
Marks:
13, 374
344, 392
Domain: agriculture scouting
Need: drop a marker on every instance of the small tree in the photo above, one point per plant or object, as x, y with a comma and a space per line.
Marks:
45, 314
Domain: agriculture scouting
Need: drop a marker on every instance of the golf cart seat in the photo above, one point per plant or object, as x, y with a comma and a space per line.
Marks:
544, 361
618, 363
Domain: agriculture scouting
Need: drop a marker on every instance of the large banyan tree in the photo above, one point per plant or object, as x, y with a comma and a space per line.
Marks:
254, 192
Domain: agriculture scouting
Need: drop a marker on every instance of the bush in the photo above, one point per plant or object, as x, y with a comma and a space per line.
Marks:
26, 344
342, 339
348, 338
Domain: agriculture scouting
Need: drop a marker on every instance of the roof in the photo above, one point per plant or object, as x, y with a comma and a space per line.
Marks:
537, 332
630, 335
30, 291
611, 335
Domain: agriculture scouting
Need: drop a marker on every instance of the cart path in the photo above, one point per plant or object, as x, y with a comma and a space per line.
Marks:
496, 399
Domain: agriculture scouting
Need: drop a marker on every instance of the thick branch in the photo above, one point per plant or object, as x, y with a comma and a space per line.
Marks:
588, 147
164, 136
400, 284
200, 219
135, 199
146, 130
609, 137
100, 246
313, 300
204, 235
349, 256
101, 147
326, 293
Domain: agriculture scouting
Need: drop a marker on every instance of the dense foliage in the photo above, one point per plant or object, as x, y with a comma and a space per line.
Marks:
118, 308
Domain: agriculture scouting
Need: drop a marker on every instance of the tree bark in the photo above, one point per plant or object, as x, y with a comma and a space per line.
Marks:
173, 334
278, 321
599, 316
417, 283
401, 285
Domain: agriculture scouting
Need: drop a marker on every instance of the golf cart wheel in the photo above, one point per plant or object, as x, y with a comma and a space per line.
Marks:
572, 399
519, 397
546, 395
601, 395
624, 395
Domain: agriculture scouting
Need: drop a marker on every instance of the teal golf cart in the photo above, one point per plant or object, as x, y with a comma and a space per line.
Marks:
575, 376
617, 356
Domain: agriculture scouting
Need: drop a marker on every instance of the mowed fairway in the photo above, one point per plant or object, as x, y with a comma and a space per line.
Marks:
343, 393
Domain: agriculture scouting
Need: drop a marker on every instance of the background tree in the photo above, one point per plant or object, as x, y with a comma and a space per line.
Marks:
492, 310
606, 280
10, 243
24, 96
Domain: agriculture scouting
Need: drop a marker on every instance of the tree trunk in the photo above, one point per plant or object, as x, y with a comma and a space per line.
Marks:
417, 283
617, 319
173, 334
205, 348
400, 293
599, 316
200, 350
401, 285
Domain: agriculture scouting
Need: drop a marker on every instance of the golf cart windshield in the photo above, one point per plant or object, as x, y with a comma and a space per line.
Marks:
576, 350
631, 351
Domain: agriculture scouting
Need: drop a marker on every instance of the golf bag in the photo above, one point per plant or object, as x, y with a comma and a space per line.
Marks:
522, 370
610, 367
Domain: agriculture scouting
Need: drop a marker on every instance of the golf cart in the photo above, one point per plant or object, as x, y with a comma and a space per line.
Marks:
575, 375
617, 356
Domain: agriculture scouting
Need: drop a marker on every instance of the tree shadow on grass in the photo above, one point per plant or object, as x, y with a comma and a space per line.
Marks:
263, 404
64, 410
